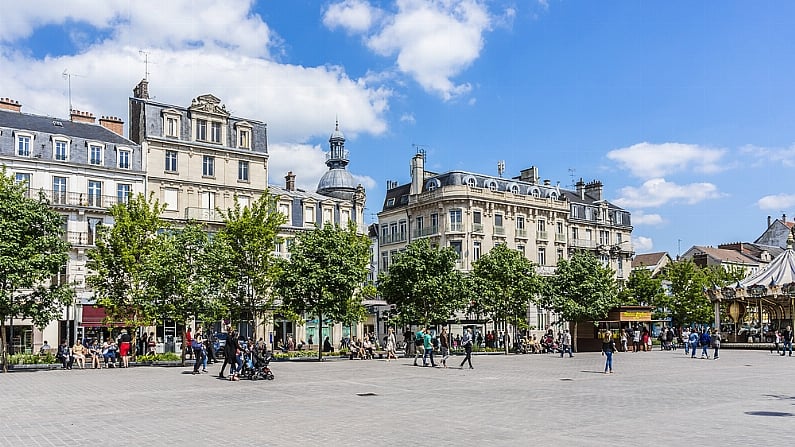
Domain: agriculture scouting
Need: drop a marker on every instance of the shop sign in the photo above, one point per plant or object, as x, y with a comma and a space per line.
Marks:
635, 315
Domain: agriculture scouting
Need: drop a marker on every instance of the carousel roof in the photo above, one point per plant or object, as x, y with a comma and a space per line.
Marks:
779, 272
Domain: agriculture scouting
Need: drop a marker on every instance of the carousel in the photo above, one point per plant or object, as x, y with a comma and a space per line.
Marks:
760, 304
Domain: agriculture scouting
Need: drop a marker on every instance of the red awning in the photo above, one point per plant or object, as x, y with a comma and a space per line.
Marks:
93, 316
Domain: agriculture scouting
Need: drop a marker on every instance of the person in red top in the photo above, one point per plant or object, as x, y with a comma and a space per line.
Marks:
125, 343
188, 343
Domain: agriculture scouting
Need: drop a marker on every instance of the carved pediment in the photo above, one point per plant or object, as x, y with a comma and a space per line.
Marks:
209, 104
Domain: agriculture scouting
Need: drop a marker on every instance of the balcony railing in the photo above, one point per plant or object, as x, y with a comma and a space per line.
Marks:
499, 230
583, 243
393, 238
477, 228
426, 231
560, 237
521, 232
456, 226
79, 238
58, 198
542, 235
203, 214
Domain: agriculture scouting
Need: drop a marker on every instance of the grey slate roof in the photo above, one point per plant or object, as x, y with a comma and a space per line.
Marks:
46, 124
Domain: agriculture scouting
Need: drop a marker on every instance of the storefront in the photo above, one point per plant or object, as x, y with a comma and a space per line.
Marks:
617, 321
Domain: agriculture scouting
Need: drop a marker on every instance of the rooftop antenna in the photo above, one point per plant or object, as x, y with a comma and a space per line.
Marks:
500, 167
68, 76
146, 63
420, 148
571, 175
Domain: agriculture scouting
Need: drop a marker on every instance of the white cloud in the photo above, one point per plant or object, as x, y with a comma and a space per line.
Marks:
355, 16
759, 156
642, 244
307, 162
657, 192
434, 40
776, 202
408, 118
221, 47
648, 160
641, 218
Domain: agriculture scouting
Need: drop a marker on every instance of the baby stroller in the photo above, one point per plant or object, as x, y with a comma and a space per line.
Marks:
255, 365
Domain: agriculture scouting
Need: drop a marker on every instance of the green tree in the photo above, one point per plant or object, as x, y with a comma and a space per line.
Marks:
687, 302
325, 275
32, 250
642, 289
126, 261
582, 289
244, 267
506, 282
423, 284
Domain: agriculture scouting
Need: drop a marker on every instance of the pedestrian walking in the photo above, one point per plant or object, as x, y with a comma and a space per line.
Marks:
686, 340
693, 340
419, 342
636, 340
715, 343
197, 345
229, 352
706, 342
427, 345
466, 342
125, 346
444, 346
786, 340
565, 341
608, 348
391, 345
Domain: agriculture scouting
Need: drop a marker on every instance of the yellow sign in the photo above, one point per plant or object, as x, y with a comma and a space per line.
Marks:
635, 316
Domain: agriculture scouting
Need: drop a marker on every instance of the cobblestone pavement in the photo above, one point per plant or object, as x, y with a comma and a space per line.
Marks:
745, 398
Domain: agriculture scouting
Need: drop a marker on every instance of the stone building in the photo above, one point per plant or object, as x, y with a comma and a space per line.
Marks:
472, 212
84, 167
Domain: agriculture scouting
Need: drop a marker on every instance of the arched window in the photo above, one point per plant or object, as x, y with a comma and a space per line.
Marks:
432, 184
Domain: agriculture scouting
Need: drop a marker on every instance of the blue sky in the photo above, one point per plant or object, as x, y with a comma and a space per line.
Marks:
682, 109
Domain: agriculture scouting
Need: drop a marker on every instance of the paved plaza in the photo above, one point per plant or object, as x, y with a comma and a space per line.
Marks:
657, 398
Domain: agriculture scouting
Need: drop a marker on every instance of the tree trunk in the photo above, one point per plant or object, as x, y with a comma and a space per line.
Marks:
505, 337
320, 336
574, 337
3, 343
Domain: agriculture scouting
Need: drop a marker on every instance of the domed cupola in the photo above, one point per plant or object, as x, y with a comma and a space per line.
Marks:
337, 182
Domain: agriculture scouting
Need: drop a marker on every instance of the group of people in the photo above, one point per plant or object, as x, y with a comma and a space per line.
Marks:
705, 338
425, 344
783, 341
94, 353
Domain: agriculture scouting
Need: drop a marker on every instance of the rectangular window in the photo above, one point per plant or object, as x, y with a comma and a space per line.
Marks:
420, 223
244, 201
208, 200
285, 209
520, 222
95, 154
385, 234
123, 191
575, 233
604, 237
560, 227
475, 251
309, 215
243, 139
94, 193
59, 190
456, 220
384, 260
588, 235
327, 219
170, 198
171, 127
477, 217
201, 130
542, 256
208, 166
619, 238
456, 245
520, 248
60, 150
242, 171
560, 254
402, 230
345, 217
215, 132
171, 161
22, 177
542, 225
498, 220
435, 223
23, 146
124, 159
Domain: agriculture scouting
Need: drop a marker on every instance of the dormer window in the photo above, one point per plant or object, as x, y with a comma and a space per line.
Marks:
60, 149
23, 144
492, 185
124, 158
215, 132
201, 130
171, 123
95, 154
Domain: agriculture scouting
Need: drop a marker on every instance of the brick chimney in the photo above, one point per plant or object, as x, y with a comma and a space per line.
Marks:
10, 104
81, 117
141, 90
289, 181
113, 124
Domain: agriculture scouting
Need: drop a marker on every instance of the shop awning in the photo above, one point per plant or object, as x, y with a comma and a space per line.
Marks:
94, 316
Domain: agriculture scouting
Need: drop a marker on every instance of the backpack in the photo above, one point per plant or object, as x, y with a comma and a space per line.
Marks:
196, 344
419, 338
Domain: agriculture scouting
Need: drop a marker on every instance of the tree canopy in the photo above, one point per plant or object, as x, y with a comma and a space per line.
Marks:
324, 275
642, 289
687, 302
32, 250
423, 283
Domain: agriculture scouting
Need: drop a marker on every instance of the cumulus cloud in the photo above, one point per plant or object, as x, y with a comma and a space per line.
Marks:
648, 160
432, 40
222, 47
355, 16
408, 118
307, 162
657, 192
759, 156
776, 202
641, 218
642, 244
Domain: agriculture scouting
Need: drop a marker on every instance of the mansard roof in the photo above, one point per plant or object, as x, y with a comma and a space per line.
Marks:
59, 126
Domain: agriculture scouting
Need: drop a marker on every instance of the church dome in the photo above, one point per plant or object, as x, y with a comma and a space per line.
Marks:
336, 180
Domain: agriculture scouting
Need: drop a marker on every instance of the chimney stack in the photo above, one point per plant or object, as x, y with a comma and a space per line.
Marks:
784, 218
581, 189
768, 221
81, 117
289, 181
113, 124
10, 104
141, 90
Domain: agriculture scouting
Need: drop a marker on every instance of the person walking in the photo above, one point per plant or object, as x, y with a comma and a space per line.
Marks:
229, 352
444, 346
125, 345
391, 345
686, 340
197, 346
565, 341
608, 348
466, 342
188, 342
419, 342
715, 343
427, 346
706, 342
786, 340
636, 340
693, 341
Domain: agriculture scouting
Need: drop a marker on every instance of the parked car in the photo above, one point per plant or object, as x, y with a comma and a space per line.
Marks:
219, 341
